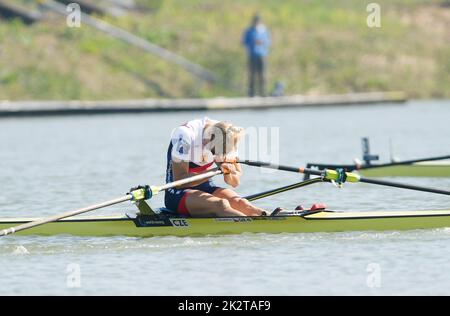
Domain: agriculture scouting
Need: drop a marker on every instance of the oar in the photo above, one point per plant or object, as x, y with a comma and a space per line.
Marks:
352, 167
341, 176
265, 194
137, 195
404, 162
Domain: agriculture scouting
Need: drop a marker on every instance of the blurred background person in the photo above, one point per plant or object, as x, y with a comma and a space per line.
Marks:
257, 41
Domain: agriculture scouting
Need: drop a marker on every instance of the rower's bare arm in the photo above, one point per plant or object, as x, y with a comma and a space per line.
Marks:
181, 171
233, 177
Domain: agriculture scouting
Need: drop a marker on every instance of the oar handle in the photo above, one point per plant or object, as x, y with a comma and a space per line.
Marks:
199, 177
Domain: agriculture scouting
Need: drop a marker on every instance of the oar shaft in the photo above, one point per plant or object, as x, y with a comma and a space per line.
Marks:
277, 167
55, 218
334, 175
265, 194
282, 167
404, 186
405, 162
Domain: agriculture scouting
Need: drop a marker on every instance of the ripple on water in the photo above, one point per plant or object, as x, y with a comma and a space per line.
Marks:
223, 265
69, 244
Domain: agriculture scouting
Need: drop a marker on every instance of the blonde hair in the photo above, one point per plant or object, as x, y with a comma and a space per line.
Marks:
224, 137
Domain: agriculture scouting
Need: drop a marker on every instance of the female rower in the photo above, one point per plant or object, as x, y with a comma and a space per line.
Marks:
196, 147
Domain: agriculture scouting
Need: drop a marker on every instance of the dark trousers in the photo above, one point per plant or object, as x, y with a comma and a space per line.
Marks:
257, 75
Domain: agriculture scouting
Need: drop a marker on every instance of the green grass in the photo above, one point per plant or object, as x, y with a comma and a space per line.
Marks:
318, 47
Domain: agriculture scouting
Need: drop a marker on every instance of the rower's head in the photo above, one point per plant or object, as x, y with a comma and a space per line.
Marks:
222, 139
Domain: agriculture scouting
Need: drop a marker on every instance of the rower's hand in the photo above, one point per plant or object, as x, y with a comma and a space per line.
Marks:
225, 159
228, 168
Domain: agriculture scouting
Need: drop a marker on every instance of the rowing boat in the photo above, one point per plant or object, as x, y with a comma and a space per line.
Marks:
287, 222
150, 223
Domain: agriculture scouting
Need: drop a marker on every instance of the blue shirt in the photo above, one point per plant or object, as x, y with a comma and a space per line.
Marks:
257, 40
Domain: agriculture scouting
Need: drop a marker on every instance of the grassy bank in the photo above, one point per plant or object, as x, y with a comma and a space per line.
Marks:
319, 47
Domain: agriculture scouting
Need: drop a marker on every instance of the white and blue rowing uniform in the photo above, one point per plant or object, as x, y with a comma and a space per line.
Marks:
187, 145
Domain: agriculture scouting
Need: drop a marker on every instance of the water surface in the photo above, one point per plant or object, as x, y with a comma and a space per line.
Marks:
55, 164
